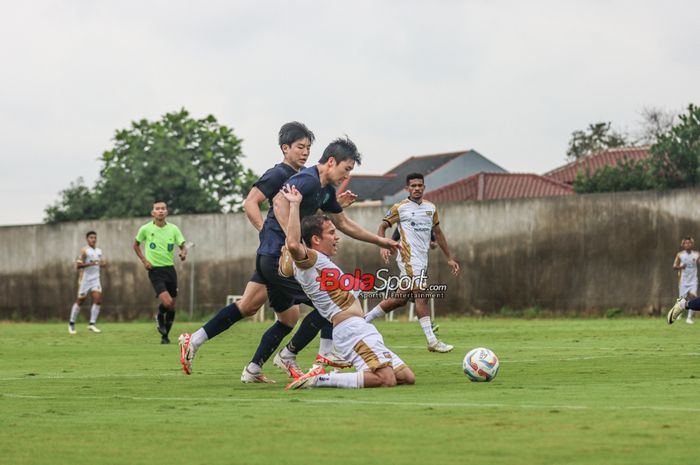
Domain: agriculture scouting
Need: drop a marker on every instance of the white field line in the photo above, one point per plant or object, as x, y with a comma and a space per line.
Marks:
174, 373
470, 405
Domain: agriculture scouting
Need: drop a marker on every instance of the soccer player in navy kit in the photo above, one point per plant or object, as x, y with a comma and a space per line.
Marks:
317, 186
295, 141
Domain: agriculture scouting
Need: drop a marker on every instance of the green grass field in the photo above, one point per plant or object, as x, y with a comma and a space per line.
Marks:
569, 392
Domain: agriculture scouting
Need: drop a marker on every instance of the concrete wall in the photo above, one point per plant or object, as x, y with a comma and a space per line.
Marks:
574, 254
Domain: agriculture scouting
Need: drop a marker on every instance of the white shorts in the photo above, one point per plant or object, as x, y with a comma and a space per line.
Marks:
361, 344
685, 288
92, 285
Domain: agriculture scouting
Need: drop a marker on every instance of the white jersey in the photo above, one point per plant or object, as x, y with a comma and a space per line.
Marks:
329, 301
415, 222
89, 255
688, 276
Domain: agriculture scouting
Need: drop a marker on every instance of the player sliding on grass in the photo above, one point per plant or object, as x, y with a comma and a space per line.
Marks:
357, 341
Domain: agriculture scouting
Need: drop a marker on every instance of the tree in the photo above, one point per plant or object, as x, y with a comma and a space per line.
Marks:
193, 164
628, 175
655, 122
676, 154
596, 138
77, 202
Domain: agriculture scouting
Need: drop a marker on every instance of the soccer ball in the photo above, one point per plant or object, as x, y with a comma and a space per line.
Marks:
480, 364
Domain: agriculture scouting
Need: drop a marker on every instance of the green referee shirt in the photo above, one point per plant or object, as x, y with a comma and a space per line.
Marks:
160, 243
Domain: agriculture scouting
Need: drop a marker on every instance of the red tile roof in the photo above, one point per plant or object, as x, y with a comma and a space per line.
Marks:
489, 186
594, 162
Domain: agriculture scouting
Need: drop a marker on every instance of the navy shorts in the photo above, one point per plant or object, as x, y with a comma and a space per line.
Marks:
163, 278
283, 292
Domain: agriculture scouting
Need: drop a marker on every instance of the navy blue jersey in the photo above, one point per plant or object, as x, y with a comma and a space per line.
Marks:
270, 184
308, 183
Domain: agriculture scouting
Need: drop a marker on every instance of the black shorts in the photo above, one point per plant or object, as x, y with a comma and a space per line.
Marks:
282, 292
163, 278
256, 278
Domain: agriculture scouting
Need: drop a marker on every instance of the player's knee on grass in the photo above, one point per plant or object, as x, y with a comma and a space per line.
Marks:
383, 377
289, 317
405, 376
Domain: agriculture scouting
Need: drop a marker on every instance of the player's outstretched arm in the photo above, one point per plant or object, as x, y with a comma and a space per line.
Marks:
280, 204
183, 251
354, 230
442, 242
346, 198
293, 241
251, 207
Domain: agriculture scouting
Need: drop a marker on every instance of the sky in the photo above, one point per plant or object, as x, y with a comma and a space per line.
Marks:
509, 79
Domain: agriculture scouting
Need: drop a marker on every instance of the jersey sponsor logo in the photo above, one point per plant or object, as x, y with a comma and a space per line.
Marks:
152, 245
326, 196
429, 213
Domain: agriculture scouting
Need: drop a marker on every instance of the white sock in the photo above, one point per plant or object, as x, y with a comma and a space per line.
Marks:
427, 326
286, 353
198, 338
341, 380
376, 312
74, 311
94, 312
690, 314
326, 346
254, 368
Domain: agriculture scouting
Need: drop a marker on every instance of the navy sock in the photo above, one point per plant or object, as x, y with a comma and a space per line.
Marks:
327, 331
308, 329
169, 318
693, 304
223, 320
270, 341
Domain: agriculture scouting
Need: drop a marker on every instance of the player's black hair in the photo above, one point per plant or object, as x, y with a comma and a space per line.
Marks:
411, 176
292, 132
90, 232
341, 149
312, 226
160, 201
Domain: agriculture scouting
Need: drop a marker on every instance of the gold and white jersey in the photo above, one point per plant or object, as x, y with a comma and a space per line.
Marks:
689, 274
415, 222
328, 298
89, 255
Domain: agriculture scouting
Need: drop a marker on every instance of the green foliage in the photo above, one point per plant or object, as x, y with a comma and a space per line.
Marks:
614, 312
674, 163
193, 164
76, 202
628, 175
676, 154
596, 138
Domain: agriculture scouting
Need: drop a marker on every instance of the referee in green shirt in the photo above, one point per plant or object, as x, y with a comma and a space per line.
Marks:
160, 238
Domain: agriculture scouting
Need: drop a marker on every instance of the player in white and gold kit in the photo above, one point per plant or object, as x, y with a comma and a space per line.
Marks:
686, 262
357, 341
416, 218
89, 263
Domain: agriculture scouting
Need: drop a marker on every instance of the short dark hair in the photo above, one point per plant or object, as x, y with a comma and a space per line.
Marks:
312, 226
294, 131
414, 176
90, 232
341, 149
160, 201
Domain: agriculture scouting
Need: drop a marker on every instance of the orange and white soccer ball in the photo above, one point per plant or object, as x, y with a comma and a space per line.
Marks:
480, 364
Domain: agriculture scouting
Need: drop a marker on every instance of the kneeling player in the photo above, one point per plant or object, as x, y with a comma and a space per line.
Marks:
357, 341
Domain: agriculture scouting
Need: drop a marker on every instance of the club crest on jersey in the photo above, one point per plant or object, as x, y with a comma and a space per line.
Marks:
429, 213
152, 245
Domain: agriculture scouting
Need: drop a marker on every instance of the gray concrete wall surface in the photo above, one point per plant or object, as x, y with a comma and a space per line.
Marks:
582, 254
